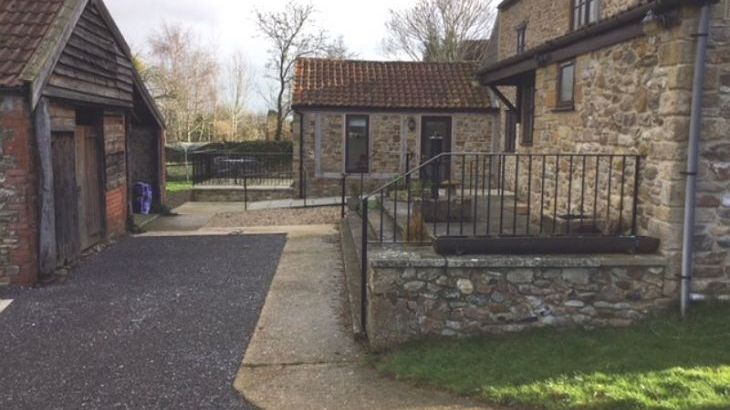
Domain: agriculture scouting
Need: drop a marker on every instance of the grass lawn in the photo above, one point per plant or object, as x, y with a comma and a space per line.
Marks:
179, 186
664, 363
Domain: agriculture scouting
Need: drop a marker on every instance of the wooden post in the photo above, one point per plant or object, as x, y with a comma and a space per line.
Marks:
47, 216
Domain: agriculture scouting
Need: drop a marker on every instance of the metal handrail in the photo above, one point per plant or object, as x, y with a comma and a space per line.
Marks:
431, 160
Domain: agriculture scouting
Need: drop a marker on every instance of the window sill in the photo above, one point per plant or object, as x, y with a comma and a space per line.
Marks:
564, 108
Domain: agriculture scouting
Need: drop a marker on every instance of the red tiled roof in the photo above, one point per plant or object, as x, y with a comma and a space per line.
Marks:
388, 85
23, 24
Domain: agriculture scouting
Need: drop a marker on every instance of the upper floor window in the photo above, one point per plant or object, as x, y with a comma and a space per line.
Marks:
521, 38
357, 144
585, 12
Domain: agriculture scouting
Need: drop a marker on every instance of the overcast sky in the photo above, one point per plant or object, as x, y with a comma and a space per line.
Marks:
229, 24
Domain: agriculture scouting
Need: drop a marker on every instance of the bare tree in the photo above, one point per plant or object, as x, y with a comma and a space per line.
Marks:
236, 88
438, 30
293, 34
182, 74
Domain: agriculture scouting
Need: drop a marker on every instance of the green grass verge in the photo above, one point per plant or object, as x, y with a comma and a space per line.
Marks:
664, 363
179, 186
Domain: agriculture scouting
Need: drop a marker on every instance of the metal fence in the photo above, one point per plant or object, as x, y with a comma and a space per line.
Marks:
500, 195
216, 168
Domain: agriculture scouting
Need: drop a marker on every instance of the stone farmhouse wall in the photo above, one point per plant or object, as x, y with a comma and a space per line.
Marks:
390, 141
545, 19
634, 98
414, 296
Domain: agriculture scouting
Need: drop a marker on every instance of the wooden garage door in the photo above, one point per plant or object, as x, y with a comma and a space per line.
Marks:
66, 197
88, 176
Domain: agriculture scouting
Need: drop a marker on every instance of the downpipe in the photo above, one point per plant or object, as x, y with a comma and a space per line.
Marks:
693, 157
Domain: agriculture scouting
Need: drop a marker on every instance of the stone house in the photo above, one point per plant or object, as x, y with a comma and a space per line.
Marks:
616, 77
77, 129
601, 103
365, 118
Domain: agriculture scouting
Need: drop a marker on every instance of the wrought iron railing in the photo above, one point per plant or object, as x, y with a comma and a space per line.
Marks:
499, 195
219, 168
508, 199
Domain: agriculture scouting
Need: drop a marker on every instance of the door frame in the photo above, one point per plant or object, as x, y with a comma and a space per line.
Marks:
448, 141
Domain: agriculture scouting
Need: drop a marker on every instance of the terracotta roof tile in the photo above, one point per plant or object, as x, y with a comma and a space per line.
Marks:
389, 85
23, 24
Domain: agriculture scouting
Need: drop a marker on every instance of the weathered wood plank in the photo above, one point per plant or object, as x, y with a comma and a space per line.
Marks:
65, 196
92, 64
47, 226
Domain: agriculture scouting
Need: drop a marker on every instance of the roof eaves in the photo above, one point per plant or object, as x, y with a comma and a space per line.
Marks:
44, 58
144, 92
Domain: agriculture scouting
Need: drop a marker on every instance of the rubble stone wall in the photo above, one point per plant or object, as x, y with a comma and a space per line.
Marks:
414, 296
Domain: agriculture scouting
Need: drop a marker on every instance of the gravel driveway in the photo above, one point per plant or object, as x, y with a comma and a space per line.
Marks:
148, 323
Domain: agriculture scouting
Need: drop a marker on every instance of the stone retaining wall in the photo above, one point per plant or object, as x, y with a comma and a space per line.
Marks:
237, 194
417, 294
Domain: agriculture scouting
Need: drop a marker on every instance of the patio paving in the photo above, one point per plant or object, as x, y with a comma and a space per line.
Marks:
150, 322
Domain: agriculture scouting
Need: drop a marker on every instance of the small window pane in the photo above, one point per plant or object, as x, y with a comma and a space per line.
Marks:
357, 145
593, 11
567, 81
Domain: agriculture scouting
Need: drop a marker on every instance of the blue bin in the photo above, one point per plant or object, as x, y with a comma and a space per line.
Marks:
142, 203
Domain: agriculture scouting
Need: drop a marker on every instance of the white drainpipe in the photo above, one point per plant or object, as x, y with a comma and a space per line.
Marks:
693, 156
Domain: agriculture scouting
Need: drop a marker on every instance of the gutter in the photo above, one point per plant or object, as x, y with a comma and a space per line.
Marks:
543, 53
693, 157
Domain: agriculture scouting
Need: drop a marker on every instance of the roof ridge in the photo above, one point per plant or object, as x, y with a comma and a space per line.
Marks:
363, 61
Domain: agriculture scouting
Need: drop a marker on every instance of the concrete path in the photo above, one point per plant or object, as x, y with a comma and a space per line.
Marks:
302, 355
192, 216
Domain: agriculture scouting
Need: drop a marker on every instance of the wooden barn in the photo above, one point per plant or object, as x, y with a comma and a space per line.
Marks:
77, 129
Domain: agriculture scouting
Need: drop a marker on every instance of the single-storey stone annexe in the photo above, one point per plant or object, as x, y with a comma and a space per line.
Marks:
364, 117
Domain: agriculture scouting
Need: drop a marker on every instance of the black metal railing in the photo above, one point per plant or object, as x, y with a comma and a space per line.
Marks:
518, 199
219, 168
497, 195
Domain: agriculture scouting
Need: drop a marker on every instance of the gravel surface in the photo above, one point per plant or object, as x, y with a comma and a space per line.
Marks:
147, 323
274, 217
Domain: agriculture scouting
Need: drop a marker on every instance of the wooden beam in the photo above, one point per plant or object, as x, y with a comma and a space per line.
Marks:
614, 30
503, 98
75, 96
47, 225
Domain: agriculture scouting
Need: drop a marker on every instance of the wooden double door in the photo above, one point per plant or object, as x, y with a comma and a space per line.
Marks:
78, 191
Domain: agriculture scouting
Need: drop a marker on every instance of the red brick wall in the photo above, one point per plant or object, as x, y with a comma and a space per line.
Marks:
116, 212
18, 194
116, 173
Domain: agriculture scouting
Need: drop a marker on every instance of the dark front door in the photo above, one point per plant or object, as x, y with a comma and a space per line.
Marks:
435, 127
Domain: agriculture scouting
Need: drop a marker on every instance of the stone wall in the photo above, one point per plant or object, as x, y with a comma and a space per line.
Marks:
418, 294
634, 98
546, 20
18, 193
713, 228
237, 194
390, 140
